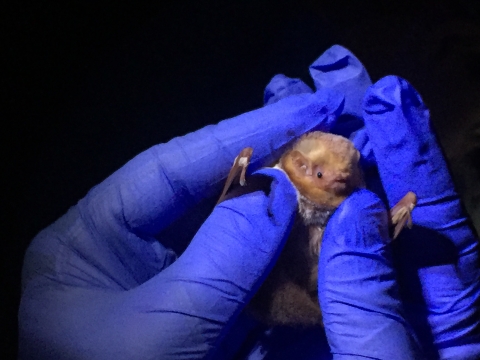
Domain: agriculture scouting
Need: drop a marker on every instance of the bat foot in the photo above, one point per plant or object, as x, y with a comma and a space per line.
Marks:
240, 165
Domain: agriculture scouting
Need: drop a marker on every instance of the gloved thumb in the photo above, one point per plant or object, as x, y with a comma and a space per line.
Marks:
223, 266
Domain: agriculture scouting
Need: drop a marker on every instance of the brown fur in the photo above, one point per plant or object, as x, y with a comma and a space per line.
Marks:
289, 294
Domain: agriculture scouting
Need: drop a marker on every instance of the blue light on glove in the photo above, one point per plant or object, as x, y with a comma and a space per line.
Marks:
441, 252
97, 284
281, 86
338, 69
112, 278
361, 308
438, 259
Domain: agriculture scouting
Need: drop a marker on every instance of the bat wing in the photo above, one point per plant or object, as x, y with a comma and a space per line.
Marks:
239, 167
401, 213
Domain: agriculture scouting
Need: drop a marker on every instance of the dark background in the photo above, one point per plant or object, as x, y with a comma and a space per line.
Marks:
88, 86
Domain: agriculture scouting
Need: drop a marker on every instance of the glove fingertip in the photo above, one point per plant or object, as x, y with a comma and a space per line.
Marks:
335, 59
359, 225
281, 86
338, 68
358, 213
388, 93
357, 283
283, 195
405, 147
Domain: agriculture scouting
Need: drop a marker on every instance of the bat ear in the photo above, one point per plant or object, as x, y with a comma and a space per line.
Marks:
301, 164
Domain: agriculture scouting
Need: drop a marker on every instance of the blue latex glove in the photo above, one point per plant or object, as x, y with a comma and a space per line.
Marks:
339, 69
103, 281
438, 259
363, 314
281, 86
360, 302
358, 293
361, 307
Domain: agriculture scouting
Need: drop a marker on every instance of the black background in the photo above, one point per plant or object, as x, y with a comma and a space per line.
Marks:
88, 86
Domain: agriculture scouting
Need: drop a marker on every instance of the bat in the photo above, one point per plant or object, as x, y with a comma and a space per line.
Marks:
325, 170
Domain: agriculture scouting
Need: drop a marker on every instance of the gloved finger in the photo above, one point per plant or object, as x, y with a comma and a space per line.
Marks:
184, 311
281, 86
358, 294
280, 186
409, 159
223, 266
161, 184
339, 69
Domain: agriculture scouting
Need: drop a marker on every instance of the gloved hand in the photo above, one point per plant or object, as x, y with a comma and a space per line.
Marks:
359, 297
97, 283
358, 293
438, 259
103, 281
436, 262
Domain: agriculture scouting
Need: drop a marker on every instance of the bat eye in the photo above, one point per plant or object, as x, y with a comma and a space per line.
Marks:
319, 175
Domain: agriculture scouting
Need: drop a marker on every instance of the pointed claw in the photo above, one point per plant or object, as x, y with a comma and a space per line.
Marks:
401, 213
240, 165
401, 222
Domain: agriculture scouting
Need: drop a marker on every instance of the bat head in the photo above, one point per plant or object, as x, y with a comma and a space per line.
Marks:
323, 167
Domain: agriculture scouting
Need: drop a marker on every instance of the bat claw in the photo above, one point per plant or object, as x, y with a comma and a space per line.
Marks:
240, 164
401, 213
